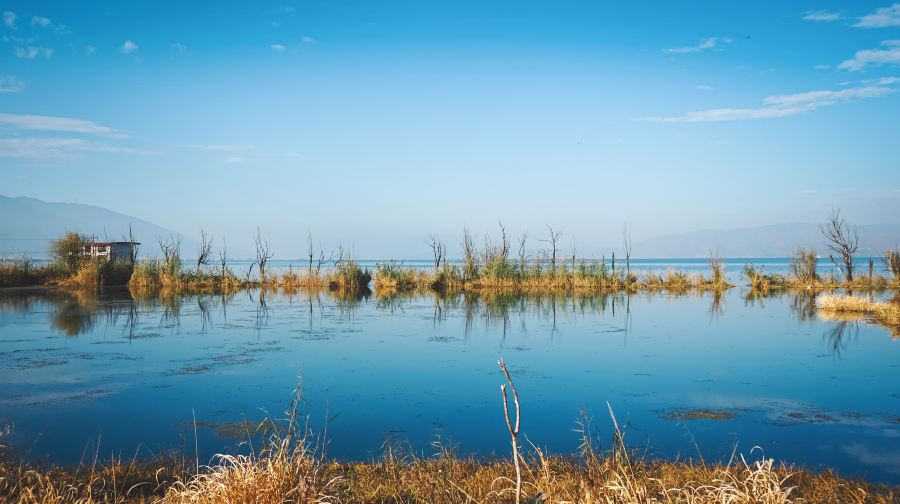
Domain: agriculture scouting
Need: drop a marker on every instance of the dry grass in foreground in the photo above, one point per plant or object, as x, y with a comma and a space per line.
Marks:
285, 474
291, 469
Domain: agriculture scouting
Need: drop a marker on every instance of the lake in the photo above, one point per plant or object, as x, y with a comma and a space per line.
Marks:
687, 376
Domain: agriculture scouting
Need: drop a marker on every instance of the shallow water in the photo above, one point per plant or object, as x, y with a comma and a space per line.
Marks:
78, 372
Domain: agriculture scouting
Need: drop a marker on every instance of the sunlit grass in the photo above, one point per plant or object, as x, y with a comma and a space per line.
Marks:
836, 306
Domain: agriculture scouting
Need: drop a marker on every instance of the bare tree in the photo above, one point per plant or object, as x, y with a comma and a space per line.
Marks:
223, 257
263, 253
470, 269
504, 241
522, 256
626, 244
553, 241
171, 250
438, 250
205, 252
841, 240
132, 246
513, 431
309, 249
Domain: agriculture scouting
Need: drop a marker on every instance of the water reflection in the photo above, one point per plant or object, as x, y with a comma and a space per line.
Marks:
73, 312
136, 366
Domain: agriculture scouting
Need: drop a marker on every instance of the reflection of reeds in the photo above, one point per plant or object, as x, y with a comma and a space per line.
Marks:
853, 308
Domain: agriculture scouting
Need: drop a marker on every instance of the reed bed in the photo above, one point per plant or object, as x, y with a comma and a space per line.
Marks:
584, 275
23, 272
292, 472
346, 275
886, 313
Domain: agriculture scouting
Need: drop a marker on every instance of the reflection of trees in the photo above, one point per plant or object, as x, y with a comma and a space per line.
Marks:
837, 337
803, 305
72, 318
500, 309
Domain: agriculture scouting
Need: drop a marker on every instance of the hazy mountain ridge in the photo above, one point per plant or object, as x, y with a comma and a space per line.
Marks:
777, 240
28, 224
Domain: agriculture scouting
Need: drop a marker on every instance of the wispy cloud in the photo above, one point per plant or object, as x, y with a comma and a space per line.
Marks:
11, 84
40, 21
705, 44
874, 57
89, 50
9, 19
51, 123
782, 105
43, 147
308, 40
235, 159
33, 51
128, 47
222, 147
179, 48
822, 15
703, 87
278, 48
882, 18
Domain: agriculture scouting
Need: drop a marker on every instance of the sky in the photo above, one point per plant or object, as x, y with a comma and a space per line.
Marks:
376, 124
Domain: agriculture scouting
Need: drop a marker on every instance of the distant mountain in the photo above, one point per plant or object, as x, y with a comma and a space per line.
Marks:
27, 225
779, 240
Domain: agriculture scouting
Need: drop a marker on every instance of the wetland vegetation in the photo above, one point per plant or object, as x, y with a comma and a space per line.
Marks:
492, 266
291, 465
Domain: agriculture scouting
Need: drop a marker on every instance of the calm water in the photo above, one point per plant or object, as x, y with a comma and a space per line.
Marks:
131, 375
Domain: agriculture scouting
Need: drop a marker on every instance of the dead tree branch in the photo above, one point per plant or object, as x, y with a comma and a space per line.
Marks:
513, 431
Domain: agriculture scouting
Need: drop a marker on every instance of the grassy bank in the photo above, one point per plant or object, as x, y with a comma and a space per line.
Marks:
289, 470
492, 266
499, 273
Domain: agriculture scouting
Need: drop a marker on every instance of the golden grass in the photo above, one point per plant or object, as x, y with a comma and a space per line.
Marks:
284, 473
884, 312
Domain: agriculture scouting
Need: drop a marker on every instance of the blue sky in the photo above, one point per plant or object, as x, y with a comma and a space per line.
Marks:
375, 124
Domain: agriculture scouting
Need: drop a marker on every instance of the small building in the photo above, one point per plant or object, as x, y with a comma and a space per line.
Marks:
110, 250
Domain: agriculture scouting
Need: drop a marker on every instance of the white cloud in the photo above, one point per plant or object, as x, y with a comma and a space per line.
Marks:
874, 57
43, 147
822, 16
703, 87
222, 147
32, 52
882, 18
10, 84
782, 105
235, 159
707, 43
822, 67
90, 50
278, 48
888, 461
40, 21
51, 123
128, 47
308, 40
179, 48
9, 19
